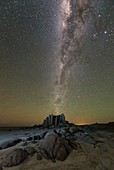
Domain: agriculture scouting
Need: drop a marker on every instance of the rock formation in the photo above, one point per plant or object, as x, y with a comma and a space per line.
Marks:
54, 121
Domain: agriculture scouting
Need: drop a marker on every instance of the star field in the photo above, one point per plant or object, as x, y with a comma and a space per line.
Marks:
30, 40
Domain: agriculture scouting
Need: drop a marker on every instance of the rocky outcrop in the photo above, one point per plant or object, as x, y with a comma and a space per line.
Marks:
54, 121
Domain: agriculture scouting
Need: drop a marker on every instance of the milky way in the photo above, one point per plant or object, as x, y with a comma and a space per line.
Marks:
75, 15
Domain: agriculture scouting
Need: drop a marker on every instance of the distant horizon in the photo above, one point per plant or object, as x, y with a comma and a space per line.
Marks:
79, 124
77, 120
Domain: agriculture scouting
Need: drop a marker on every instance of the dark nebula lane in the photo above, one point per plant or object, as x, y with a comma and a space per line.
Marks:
75, 18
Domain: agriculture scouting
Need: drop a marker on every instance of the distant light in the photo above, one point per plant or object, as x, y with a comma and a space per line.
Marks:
82, 123
105, 32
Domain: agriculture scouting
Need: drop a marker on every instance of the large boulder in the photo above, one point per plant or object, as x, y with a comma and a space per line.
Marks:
54, 147
16, 157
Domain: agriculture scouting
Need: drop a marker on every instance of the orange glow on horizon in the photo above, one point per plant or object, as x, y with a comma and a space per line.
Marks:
82, 123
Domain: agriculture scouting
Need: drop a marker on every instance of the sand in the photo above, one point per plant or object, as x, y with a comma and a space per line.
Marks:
85, 157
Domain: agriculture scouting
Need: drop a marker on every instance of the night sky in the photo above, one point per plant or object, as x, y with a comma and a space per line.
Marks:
30, 45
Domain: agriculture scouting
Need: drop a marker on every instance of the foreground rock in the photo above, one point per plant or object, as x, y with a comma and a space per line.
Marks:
10, 143
16, 157
54, 147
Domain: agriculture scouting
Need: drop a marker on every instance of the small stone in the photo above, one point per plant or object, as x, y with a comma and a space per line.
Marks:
30, 138
30, 150
35, 138
26, 133
39, 157
38, 137
25, 144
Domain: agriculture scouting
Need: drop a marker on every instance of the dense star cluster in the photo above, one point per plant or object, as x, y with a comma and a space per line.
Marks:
56, 56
